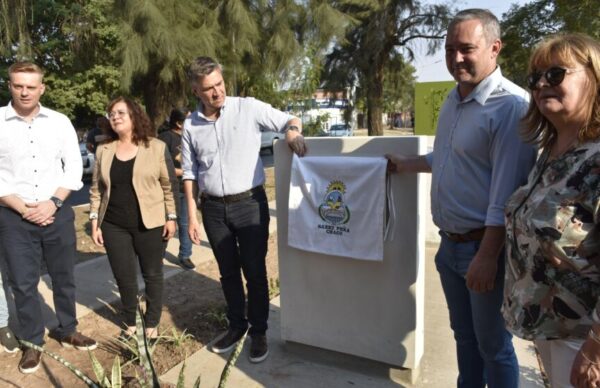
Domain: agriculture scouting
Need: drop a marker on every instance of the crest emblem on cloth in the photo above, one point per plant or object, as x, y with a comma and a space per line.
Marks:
333, 210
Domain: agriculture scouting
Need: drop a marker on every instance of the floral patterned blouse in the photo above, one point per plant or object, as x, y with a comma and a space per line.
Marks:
552, 284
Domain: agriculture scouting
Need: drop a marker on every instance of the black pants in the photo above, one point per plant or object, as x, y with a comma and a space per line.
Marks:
24, 246
125, 247
238, 233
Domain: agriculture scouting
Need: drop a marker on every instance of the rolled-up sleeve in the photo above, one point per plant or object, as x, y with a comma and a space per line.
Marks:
270, 118
512, 160
429, 159
189, 162
71, 157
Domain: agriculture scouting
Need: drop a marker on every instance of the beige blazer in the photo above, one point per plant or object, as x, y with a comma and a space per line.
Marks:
151, 182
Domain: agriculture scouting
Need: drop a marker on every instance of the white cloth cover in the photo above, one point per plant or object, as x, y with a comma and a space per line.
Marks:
337, 205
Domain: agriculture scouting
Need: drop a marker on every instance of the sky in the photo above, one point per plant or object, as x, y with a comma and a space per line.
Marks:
433, 68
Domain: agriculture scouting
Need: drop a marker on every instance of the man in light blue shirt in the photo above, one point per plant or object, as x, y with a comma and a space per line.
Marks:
220, 152
477, 163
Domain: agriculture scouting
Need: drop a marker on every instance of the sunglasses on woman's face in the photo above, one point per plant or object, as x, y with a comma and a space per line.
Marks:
554, 76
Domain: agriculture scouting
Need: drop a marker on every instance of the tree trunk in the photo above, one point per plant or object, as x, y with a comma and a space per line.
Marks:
154, 107
375, 99
160, 98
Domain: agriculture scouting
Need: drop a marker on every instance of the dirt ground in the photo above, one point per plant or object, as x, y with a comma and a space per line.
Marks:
193, 302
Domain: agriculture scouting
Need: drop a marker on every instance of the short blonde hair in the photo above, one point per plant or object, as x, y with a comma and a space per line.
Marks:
569, 50
25, 67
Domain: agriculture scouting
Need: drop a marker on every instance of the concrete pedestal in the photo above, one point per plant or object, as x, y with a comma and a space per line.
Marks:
362, 308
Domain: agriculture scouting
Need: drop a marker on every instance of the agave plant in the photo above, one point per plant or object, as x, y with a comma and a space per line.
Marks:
147, 377
231, 361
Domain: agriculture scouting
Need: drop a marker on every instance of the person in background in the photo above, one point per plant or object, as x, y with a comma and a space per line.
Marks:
477, 162
172, 139
98, 134
132, 208
40, 164
7, 337
221, 145
552, 288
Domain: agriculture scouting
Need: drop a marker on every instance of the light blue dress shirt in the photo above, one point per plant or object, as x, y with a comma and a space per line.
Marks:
478, 159
223, 155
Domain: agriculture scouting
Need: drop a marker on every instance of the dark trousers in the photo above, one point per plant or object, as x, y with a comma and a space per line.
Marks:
238, 233
125, 247
24, 246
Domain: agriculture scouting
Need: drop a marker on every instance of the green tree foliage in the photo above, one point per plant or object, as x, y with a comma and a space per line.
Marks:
399, 86
93, 50
524, 26
274, 45
385, 31
13, 25
159, 39
75, 42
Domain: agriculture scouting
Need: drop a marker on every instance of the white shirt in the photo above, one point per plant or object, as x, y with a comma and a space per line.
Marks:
38, 157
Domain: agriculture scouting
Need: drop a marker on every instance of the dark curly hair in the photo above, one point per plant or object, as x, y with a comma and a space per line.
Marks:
143, 129
178, 116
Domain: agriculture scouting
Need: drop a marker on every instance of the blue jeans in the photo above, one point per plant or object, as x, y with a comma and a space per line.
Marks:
185, 244
483, 345
238, 233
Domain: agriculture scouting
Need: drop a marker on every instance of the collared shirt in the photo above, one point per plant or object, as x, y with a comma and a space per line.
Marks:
37, 158
556, 214
223, 155
478, 159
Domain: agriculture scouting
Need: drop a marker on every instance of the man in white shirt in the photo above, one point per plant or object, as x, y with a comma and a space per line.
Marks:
40, 164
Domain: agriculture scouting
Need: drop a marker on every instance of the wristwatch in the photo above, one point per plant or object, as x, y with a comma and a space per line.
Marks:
171, 217
57, 202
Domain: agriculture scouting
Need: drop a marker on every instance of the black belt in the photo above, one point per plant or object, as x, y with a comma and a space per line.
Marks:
233, 197
472, 235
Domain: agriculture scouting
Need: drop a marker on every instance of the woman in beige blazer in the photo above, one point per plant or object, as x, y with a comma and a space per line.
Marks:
132, 208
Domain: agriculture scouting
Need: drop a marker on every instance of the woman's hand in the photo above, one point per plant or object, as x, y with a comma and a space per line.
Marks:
97, 234
169, 230
585, 372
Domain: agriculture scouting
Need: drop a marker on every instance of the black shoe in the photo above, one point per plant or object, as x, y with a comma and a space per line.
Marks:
186, 263
30, 360
78, 341
228, 341
258, 349
8, 340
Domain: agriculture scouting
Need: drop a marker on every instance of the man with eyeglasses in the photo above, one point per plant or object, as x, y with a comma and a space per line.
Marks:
40, 164
477, 162
220, 152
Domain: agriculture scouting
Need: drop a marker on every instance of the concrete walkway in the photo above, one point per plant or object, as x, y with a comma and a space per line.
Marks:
299, 366
293, 365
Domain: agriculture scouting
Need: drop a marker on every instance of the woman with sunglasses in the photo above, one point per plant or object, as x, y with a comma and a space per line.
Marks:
132, 208
552, 288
